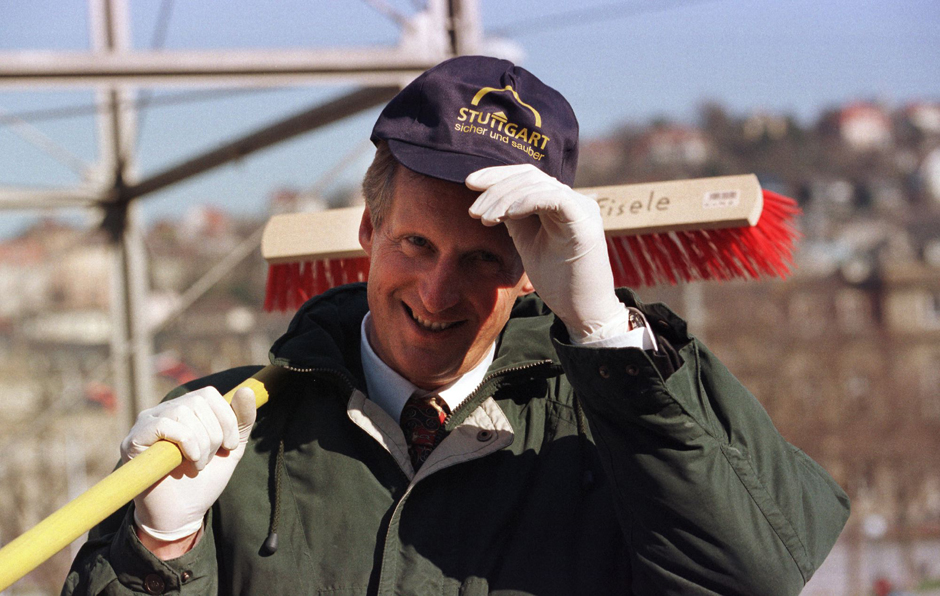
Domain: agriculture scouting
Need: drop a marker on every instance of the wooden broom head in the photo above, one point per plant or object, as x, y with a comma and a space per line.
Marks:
719, 228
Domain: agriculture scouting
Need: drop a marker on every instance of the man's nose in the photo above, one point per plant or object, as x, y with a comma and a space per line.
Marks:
440, 287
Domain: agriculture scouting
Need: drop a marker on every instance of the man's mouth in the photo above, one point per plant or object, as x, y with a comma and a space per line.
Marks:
430, 325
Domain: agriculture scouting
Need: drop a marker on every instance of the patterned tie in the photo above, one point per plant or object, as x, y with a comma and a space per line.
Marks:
422, 421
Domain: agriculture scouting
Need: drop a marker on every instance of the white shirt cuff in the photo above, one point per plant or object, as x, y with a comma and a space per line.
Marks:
639, 337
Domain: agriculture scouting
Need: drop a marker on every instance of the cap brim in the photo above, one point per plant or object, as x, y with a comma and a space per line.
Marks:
446, 165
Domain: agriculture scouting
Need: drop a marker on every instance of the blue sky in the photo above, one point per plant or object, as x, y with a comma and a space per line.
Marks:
616, 62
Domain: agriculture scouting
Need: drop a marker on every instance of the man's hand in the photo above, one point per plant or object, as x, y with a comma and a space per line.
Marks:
559, 234
200, 423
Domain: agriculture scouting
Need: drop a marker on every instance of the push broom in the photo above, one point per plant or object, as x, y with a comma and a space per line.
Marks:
665, 232
718, 228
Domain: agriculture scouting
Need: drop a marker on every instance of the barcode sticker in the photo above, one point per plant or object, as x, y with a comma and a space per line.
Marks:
720, 199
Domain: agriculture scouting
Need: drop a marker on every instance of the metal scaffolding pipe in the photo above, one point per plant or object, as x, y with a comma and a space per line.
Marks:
131, 342
291, 126
48, 198
368, 67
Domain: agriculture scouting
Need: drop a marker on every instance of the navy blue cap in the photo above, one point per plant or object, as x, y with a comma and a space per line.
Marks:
471, 112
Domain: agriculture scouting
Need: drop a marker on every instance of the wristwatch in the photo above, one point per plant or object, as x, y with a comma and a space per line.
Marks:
635, 318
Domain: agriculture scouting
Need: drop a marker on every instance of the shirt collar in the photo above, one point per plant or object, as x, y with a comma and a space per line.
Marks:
389, 390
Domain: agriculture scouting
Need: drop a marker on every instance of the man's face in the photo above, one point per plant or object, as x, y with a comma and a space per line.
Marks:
441, 284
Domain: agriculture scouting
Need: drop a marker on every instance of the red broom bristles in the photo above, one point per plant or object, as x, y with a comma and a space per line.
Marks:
291, 284
762, 250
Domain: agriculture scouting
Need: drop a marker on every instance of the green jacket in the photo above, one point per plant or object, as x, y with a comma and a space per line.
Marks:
568, 471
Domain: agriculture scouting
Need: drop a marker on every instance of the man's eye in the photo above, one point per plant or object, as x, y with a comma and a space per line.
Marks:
417, 241
489, 257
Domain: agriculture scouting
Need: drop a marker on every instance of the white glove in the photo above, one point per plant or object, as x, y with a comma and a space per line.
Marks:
562, 247
200, 423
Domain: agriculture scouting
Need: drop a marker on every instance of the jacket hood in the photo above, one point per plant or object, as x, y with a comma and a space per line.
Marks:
324, 334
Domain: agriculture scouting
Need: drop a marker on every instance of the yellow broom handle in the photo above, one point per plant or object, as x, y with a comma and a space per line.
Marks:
85, 511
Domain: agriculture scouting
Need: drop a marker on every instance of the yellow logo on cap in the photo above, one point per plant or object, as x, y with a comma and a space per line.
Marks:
497, 127
476, 100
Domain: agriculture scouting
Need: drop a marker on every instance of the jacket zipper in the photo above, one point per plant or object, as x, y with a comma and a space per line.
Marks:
502, 372
350, 386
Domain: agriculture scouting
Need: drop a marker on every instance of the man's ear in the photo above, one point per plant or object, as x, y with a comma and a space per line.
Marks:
366, 232
527, 287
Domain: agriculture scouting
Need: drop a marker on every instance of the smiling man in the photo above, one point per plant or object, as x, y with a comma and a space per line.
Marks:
487, 415
441, 286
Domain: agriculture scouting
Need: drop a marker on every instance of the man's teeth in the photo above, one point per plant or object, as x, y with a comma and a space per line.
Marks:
433, 326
